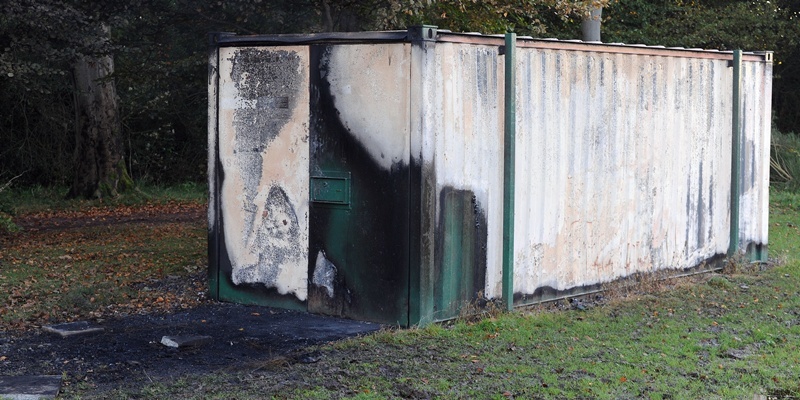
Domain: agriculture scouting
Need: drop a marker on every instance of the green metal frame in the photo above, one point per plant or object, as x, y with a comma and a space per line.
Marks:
736, 151
510, 128
421, 286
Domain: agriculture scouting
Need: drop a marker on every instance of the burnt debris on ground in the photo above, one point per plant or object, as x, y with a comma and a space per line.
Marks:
129, 349
126, 350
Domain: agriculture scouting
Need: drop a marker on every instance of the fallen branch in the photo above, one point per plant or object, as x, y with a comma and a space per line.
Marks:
7, 184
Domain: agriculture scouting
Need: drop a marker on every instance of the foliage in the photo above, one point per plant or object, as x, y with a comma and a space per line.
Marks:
7, 224
160, 54
499, 16
785, 161
723, 25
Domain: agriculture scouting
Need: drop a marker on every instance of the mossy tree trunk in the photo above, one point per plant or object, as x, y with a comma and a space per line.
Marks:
99, 153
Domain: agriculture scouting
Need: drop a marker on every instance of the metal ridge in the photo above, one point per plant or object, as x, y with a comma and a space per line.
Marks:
600, 47
225, 40
311, 38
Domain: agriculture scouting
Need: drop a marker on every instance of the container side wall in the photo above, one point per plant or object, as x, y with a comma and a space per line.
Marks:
213, 207
264, 188
623, 166
463, 145
756, 129
424, 93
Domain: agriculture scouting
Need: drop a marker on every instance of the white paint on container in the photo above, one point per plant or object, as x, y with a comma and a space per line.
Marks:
465, 143
324, 273
369, 84
623, 165
756, 114
263, 149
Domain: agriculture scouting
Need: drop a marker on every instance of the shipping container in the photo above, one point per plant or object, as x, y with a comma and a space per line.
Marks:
406, 177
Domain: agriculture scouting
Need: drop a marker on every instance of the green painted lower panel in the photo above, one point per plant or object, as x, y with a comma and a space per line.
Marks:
258, 296
461, 267
757, 252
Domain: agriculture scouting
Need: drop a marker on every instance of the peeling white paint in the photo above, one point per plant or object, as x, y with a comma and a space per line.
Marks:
263, 144
369, 84
757, 111
324, 273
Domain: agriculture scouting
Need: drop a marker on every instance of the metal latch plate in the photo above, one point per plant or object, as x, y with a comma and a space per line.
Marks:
331, 189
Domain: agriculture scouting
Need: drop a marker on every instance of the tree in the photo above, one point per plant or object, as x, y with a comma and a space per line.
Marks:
99, 157
725, 25
44, 42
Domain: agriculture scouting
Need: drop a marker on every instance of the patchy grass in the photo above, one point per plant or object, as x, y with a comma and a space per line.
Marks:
732, 335
77, 259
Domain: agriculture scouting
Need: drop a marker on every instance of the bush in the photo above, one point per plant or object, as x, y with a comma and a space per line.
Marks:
785, 161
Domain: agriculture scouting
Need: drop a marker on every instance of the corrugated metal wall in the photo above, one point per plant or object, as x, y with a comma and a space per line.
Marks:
623, 165
754, 184
461, 146
263, 156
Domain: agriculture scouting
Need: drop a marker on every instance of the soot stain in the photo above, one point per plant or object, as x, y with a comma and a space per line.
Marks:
367, 240
276, 241
701, 211
463, 222
268, 83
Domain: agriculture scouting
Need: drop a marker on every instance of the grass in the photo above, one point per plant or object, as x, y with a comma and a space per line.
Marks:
724, 335
98, 269
785, 161
731, 335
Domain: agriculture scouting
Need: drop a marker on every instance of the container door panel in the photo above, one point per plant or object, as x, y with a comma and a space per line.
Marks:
261, 168
359, 175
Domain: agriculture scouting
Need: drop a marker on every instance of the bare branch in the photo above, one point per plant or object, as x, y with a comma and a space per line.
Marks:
7, 184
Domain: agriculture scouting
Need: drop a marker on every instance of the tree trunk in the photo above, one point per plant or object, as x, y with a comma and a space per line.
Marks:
99, 162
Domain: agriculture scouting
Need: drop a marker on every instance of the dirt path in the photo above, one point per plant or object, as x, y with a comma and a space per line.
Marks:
151, 214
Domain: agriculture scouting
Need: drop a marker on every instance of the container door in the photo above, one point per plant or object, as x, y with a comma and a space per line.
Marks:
359, 175
261, 207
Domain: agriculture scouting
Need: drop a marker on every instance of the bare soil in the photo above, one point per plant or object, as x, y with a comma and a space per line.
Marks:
150, 214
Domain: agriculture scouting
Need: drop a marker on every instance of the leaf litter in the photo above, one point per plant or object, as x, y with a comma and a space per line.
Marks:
141, 274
